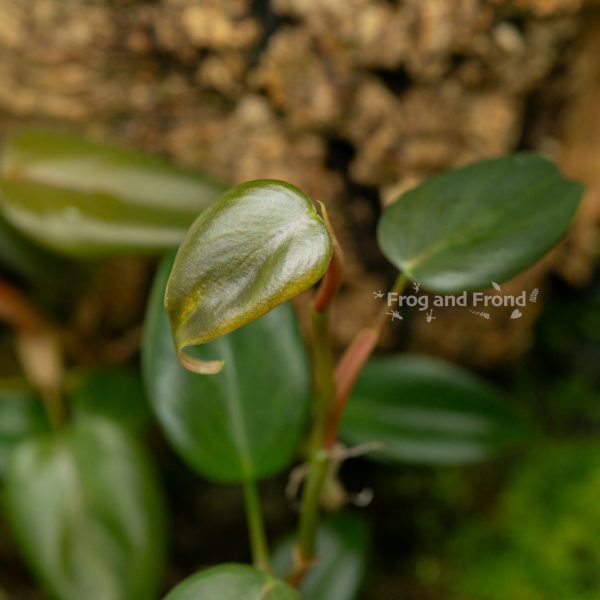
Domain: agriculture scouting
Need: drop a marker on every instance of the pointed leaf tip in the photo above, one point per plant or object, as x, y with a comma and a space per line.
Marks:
259, 245
202, 367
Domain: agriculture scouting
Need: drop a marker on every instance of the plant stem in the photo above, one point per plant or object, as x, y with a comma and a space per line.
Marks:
256, 527
319, 460
353, 360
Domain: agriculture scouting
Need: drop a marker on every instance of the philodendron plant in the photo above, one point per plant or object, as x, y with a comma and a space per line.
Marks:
225, 365
232, 389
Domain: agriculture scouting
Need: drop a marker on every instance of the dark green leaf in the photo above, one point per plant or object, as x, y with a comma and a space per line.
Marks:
424, 410
21, 415
342, 548
261, 244
115, 393
245, 422
481, 223
88, 199
232, 582
86, 510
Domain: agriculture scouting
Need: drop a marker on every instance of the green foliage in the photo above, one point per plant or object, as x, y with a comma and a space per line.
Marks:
232, 582
23, 257
21, 416
425, 410
259, 245
85, 508
485, 222
245, 422
87, 199
342, 546
116, 394
543, 541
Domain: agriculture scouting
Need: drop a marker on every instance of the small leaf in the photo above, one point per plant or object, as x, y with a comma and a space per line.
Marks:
21, 415
484, 222
87, 513
247, 421
88, 199
261, 244
496, 286
113, 393
424, 410
342, 548
232, 582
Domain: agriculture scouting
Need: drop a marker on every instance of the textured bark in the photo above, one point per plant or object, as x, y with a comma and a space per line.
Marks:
352, 100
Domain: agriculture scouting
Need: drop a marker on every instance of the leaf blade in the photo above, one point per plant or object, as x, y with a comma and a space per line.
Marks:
111, 544
87, 199
245, 422
259, 245
427, 411
484, 222
232, 582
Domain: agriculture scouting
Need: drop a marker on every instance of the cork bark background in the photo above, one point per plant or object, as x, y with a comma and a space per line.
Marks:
351, 100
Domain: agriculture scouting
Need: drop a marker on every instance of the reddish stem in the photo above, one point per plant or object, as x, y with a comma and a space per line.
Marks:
330, 284
346, 373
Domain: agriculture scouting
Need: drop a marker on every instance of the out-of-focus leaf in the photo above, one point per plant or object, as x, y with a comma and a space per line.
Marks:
424, 410
245, 422
87, 199
232, 582
24, 258
485, 222
261, 244
87, 513
342, 548
114, 393
21, 415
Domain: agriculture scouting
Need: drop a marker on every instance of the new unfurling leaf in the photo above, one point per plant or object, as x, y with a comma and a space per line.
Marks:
259, 245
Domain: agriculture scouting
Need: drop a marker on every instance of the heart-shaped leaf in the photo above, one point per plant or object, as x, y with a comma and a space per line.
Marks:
481, 223
88, 199
342, 548
245, 422
21, 416
259, 245
232, 582
86, 510
424, 410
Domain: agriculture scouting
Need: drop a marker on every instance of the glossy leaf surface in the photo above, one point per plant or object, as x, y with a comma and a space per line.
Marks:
88, 199
427, 411
232, 582
342, 548
245, 422
86, 511
21, 415
259, 245
478, 224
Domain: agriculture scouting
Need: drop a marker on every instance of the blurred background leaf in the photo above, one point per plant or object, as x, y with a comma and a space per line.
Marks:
424, 410
343, 550
86, 509
232, 582
115, 393
21, 416
88, 199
